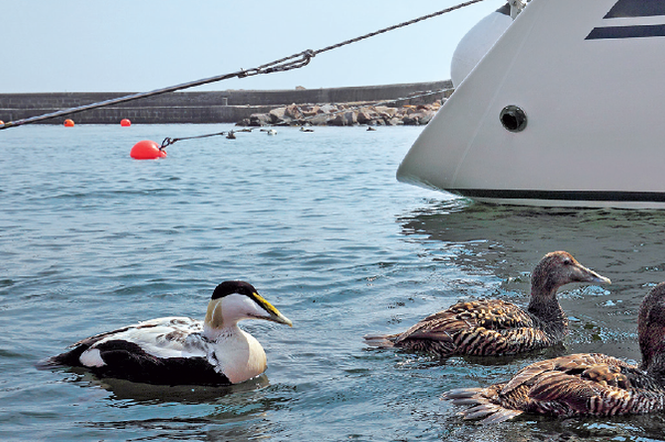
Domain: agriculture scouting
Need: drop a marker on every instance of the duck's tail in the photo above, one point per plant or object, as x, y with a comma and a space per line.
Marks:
483, 405
381, 341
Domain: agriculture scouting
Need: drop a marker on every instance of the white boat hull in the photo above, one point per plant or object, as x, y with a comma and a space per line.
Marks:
591, 86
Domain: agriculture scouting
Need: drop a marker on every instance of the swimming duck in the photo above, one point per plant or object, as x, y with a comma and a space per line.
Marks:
496, 327
180, 350
582, 384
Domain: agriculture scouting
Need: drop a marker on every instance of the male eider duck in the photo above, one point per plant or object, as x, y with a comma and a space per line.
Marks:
495, 327
582, 384
178, 350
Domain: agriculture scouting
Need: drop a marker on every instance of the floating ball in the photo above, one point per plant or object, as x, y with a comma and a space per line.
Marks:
125, 122
69, 123
2, 122
146, 150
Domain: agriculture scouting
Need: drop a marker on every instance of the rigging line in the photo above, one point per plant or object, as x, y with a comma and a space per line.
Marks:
294, 61
397, 26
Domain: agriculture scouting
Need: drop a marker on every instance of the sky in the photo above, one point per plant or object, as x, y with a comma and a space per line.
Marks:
142, 45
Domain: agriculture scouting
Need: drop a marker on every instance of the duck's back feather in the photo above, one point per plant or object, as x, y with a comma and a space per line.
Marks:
579, 384
160, 351
127, 360
483, 327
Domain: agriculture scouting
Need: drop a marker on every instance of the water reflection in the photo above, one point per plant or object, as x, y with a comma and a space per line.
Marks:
127, 393
627, 243
537, 428
240, 430
233, 413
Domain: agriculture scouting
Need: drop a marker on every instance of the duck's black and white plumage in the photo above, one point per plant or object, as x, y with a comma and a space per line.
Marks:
582, 384
180, 350
496, 327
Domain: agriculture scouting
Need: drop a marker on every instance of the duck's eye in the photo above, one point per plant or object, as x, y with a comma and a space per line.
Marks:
567, 262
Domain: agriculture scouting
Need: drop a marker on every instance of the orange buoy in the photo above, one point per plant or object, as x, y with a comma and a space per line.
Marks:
2, 122
147, 150
125, 122
69, 123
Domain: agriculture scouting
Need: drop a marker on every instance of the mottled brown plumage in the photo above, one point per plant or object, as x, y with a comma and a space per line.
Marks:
495, 327
581, 384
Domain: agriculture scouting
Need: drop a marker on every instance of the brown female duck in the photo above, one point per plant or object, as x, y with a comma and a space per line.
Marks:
582, 384
495, 327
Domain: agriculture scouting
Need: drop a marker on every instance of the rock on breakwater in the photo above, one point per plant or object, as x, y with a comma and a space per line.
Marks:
347, 114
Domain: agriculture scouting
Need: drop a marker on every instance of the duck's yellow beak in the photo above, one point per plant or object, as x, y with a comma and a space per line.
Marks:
275, 315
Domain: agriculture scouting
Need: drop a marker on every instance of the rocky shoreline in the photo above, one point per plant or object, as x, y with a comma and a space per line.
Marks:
347, 114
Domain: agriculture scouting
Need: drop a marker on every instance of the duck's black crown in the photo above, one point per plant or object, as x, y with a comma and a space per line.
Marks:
231, 287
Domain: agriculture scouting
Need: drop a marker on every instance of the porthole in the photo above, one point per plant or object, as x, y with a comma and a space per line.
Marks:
513, 118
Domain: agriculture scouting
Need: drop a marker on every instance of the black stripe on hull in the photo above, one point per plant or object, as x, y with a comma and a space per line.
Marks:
564, 195
636, 8
621, 32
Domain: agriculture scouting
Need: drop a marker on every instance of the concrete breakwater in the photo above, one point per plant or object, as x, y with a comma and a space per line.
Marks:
232, 106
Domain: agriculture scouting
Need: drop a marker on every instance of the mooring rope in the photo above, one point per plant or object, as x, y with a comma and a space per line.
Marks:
168, 140
294, 61
229, 134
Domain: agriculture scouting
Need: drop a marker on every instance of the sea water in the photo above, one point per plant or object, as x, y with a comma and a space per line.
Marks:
91, 240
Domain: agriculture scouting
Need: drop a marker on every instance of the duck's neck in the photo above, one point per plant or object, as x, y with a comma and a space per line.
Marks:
215, 327
654, 363
547, 309
216, 334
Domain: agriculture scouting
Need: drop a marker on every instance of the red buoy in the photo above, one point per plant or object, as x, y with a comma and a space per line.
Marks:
69, 123
125, 122
146, 150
